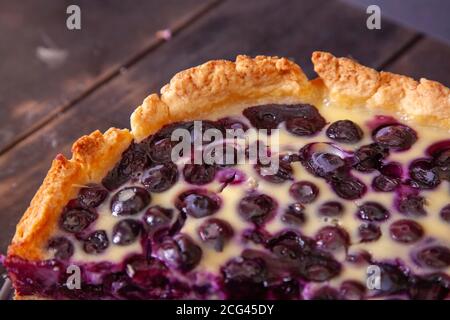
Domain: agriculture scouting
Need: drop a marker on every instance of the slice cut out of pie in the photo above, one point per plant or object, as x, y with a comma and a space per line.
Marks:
356, 207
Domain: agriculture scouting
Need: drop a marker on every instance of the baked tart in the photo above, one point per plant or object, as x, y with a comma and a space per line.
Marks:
360, 190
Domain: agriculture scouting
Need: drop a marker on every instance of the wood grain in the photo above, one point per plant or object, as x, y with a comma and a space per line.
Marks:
289, 28
45, 66
427, 59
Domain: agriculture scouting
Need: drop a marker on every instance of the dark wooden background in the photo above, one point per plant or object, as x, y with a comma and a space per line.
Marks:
117, 59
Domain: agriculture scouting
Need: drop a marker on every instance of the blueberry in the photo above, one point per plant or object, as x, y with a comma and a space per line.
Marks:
359, 257
411, 205
384, 183
436, 257
245, 278
125, 232
198, 203
372, 211
369, 157
216, 233
423, 174
294, 214
160, 177
96, 242
305, 126
181, 252
352, 290
393, 279
304, 191
369, 232
348, 187
445, 213
321, 163
326, 293
146, 272
76, 220
284, 171
435, 286
344, 131
406, 231
257, 208
61, 247
396, 137
265, 116
199, 174
133, 161
332, 238
257, 236
92, 196
129, 201
331, 209
286, 289
157, 218
442, 163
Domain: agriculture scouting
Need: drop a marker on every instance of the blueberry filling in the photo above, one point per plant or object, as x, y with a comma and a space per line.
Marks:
183, 235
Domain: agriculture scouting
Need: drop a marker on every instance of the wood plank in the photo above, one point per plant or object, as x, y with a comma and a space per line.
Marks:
293, 29
427, 59
45, 66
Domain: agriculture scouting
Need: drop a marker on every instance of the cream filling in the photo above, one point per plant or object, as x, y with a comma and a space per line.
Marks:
383, 249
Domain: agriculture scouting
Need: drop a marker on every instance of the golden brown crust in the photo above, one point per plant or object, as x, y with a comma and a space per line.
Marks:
93, 157
349, 83
213, 86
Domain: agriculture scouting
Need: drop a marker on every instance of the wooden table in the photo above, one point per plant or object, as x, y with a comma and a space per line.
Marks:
103, 71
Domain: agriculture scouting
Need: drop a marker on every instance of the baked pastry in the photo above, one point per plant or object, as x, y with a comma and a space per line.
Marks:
362, 180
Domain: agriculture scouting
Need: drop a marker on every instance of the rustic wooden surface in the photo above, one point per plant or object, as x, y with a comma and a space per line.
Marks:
44, 111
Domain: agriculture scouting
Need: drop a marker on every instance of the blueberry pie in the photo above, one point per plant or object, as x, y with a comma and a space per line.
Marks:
358, 179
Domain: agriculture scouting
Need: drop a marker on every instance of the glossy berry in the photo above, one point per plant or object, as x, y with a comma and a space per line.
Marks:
92, 196
359, 257
411, 205
344, 131
275, 172
146, 272
96, 242
332, 238
445, 213
257, 208
157, 218
384, 183
129, 201
352, 290
326, 293
321, 164
266, 116
372, 211
245, 278
369, 157
199, 174
369, 232
348, 187
423, 174
395, 137
76, 220
160, 177
61, 247
436, 257
198, 203
233, 124
125, 232
393, 279
406, 231
305, 126
257, 236
133, 161
304, 191
216, 233
294, 214
181, 252
287, 289
435, 286
331, 209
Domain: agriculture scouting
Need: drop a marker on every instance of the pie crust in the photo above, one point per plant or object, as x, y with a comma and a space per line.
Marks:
218, 86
